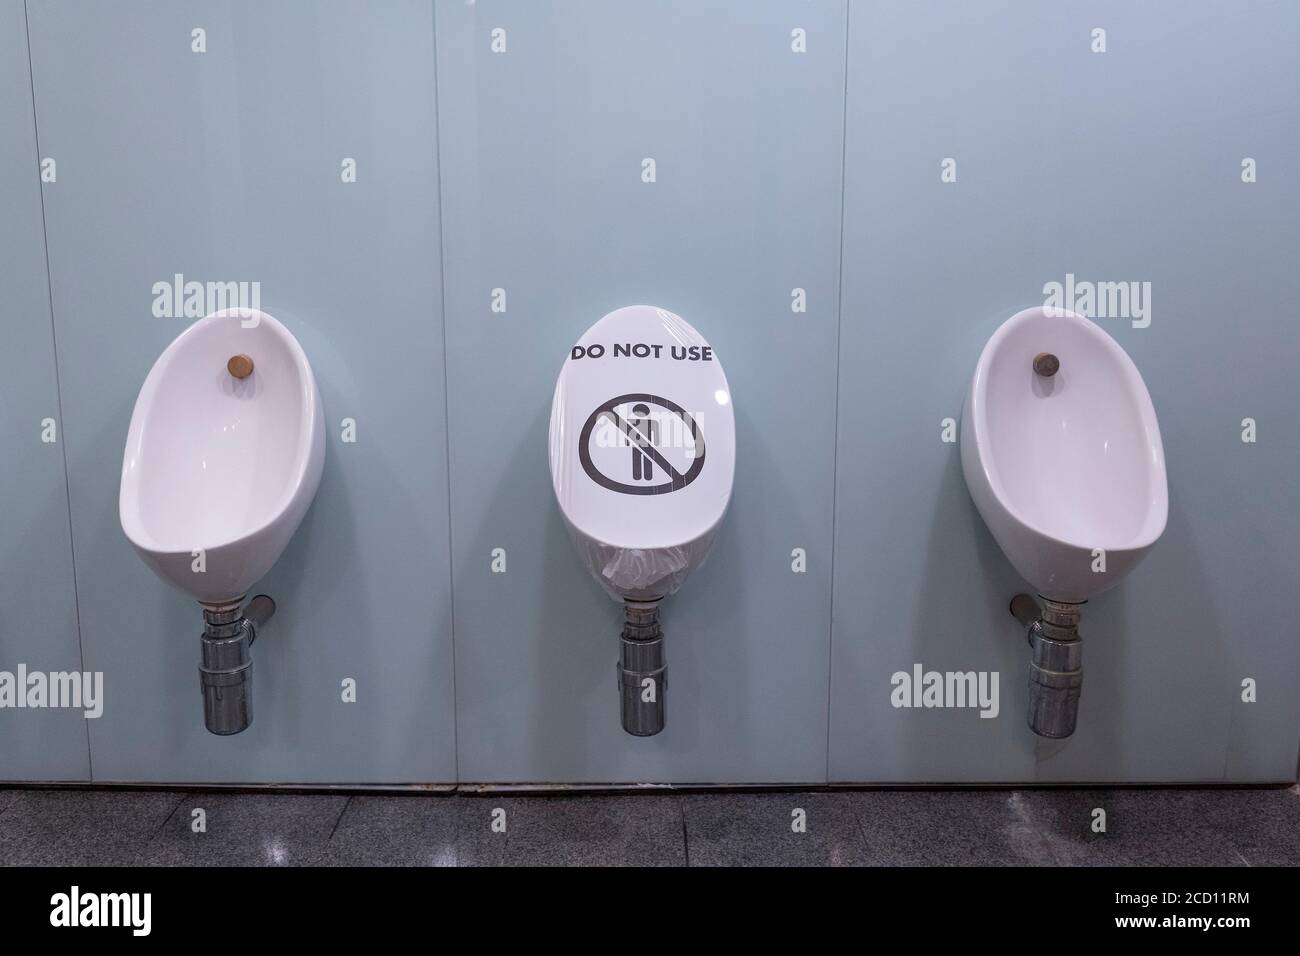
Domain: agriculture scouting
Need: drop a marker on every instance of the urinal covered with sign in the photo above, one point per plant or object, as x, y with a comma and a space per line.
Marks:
642, 454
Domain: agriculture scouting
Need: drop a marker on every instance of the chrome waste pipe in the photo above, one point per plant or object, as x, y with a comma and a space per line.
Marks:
226, 666
1056, 664
642, 674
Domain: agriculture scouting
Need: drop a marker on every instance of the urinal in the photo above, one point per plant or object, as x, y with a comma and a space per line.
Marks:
1061, 451
223, 457
642, 454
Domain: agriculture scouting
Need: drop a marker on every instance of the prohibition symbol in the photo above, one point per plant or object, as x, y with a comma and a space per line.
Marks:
652, 437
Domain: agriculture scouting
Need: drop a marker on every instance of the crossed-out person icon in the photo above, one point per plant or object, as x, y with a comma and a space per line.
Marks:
649, 424
645, 433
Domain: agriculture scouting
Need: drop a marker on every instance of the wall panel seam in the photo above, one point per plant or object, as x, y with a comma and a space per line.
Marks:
58, 388
446, 399
835, 445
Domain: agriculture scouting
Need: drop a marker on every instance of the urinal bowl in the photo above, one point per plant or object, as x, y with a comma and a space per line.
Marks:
219, 471
642, 455
1067, 469
1061, 452
223, 457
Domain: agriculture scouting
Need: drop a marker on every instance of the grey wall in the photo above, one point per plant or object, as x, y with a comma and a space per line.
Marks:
38, 619
776, 170
1116, 166
226, 166
544, 198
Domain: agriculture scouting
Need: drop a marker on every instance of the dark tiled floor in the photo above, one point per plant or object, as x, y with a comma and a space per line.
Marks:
244, 829
1147, 827
1263, 826
949, 828
773, 829
391, 831
81, 827
644, 830
738, 828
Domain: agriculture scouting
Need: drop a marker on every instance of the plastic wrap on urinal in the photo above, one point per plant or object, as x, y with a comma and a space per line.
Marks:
633, 556
638, 572
622, 572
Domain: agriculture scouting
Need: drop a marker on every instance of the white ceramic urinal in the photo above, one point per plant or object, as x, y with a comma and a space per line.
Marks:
1062, 455
1063, 465
642, 453
223, 457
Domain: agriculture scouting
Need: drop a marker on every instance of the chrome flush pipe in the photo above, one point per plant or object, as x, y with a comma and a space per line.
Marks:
226, 667
642, 674
1056, 665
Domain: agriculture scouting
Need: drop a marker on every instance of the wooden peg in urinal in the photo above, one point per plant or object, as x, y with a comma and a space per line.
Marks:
240, 366
1046, 364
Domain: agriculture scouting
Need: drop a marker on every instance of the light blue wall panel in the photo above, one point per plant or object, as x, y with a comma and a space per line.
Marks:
1123, 165
521, 171
226, 166
38, 617
543, 197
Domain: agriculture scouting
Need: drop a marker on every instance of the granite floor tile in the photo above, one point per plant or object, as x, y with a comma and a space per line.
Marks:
1143, 828
480, 839
757, 829
1264, 825
81, 827
948, 828
396, 831
619, 830
1168, 827
246, 829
